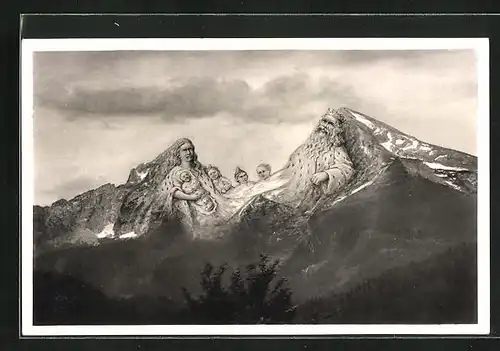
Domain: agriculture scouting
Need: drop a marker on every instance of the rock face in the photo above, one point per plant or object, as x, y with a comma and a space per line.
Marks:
407, 202
448, 167
138, 174
118, 211
79, 219
400, 218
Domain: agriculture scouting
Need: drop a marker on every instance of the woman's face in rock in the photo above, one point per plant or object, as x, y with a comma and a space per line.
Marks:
187, 152
242, 178
213, 173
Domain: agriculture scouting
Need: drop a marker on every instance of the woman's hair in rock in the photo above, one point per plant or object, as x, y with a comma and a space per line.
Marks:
173, 157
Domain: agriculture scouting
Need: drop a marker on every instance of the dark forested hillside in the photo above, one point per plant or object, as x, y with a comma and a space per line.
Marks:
440, 290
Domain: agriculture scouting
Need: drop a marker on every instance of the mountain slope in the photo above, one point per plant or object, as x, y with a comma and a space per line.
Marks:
118, 211
79, 220
408, 202
449, 167
398, 219
438, 290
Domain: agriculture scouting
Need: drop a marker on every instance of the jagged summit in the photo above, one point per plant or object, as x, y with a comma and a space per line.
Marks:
447, 167
117, 211
407, 202
406, 146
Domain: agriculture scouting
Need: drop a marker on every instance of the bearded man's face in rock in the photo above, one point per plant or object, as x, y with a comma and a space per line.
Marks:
325, 127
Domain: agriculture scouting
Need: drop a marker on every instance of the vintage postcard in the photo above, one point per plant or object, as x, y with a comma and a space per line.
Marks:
255, 187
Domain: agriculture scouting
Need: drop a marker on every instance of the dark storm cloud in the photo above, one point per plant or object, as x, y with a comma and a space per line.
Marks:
130, 83
206, 97
196, 97
109, 101
201, 97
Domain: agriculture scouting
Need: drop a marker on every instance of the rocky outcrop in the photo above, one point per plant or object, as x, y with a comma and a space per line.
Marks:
139, 173
407, 146
451, 168
39, 228
372, 145
81, 217
407, 201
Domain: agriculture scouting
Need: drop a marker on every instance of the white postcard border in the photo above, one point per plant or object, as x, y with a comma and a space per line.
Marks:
29, 46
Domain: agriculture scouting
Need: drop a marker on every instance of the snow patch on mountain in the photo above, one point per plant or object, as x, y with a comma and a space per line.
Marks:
425, 147
106, 232
387, 145
413, 145
395, 143
142, 175
363, 186
363, 120
129, 235
454, 186
434, 165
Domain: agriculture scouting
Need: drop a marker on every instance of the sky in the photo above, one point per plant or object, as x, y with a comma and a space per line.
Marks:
99, 114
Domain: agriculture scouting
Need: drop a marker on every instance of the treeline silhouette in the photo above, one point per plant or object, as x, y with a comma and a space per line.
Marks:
253, 295
250, 297
63, 299
442, 289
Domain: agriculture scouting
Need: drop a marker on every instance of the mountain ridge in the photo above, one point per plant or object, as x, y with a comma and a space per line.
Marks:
395, 212
371, 144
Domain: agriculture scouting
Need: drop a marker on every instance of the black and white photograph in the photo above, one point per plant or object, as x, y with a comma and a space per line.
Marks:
255, 186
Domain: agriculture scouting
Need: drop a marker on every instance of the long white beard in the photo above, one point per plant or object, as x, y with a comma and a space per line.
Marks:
318, 153
315, 155
317, 143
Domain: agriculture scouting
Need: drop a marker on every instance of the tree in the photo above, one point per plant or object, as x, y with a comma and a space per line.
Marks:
250, 297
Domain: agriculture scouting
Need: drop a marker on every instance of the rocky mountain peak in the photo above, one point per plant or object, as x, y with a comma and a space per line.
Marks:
115, 211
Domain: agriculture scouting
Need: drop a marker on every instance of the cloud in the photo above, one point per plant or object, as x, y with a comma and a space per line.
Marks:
268, 86
198, 97
202, 97
113, 110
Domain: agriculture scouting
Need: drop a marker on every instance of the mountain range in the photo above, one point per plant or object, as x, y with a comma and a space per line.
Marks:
408, 203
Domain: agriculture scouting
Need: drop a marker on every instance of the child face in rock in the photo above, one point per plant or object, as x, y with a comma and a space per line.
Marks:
208, 203
242, 178
263, 172
213, 173
185, 177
